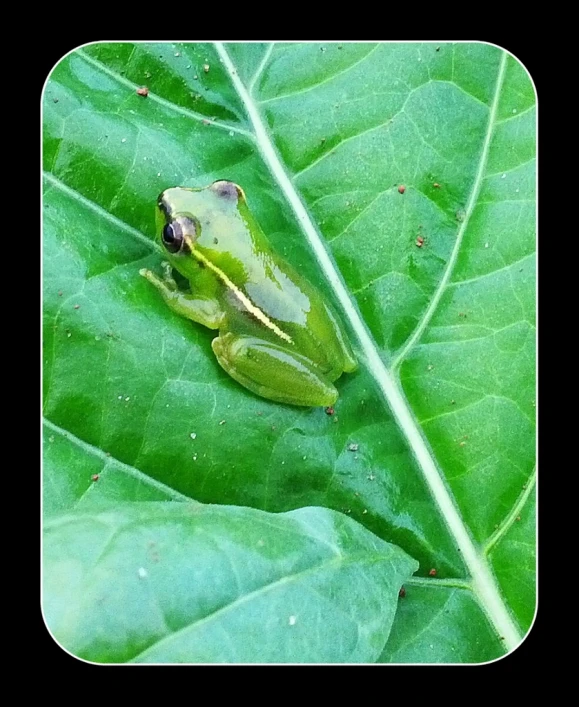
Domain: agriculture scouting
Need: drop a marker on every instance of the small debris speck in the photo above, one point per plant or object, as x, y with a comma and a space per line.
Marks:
124, 139
177, 53
222, 422
60, 293
77, 306
436, 185
193, 435
371, 477
51, 439
518, 517
353, 447
364, 511
429, 367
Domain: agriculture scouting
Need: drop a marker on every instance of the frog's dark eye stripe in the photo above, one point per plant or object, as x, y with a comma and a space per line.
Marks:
172, 237
162, 206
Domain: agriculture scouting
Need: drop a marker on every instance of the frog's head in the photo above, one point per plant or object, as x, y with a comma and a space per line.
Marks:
188, 216
184, 213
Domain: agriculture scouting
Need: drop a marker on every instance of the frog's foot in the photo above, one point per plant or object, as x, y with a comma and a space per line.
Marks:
167, 280
200, 309
272, 371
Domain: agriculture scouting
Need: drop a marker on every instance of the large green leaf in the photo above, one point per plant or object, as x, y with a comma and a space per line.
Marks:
432, 443
175, 583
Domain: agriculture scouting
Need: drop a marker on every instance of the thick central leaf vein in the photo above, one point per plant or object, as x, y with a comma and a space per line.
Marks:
483, 581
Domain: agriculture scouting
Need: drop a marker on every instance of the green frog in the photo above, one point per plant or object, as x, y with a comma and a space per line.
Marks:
278, 337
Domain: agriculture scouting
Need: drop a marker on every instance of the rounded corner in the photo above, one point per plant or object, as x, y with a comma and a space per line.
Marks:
59, 644
519, 62
528, 632
62, 58
522, 640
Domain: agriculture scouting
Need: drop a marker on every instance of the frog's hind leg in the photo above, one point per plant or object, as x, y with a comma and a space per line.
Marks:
349, 363
272, 371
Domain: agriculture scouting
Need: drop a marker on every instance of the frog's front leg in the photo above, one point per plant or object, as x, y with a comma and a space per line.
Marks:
272, 371
200, 309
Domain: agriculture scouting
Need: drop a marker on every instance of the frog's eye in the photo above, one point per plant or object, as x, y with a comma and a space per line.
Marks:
228, 190
172, 237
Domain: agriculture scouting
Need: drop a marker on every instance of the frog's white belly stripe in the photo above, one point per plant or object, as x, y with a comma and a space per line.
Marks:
241, 296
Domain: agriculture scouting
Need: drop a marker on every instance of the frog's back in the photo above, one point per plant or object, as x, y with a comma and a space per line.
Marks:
272, 301
264, 297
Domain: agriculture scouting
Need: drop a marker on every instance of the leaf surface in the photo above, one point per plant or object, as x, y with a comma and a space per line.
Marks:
400, 178
182, 582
